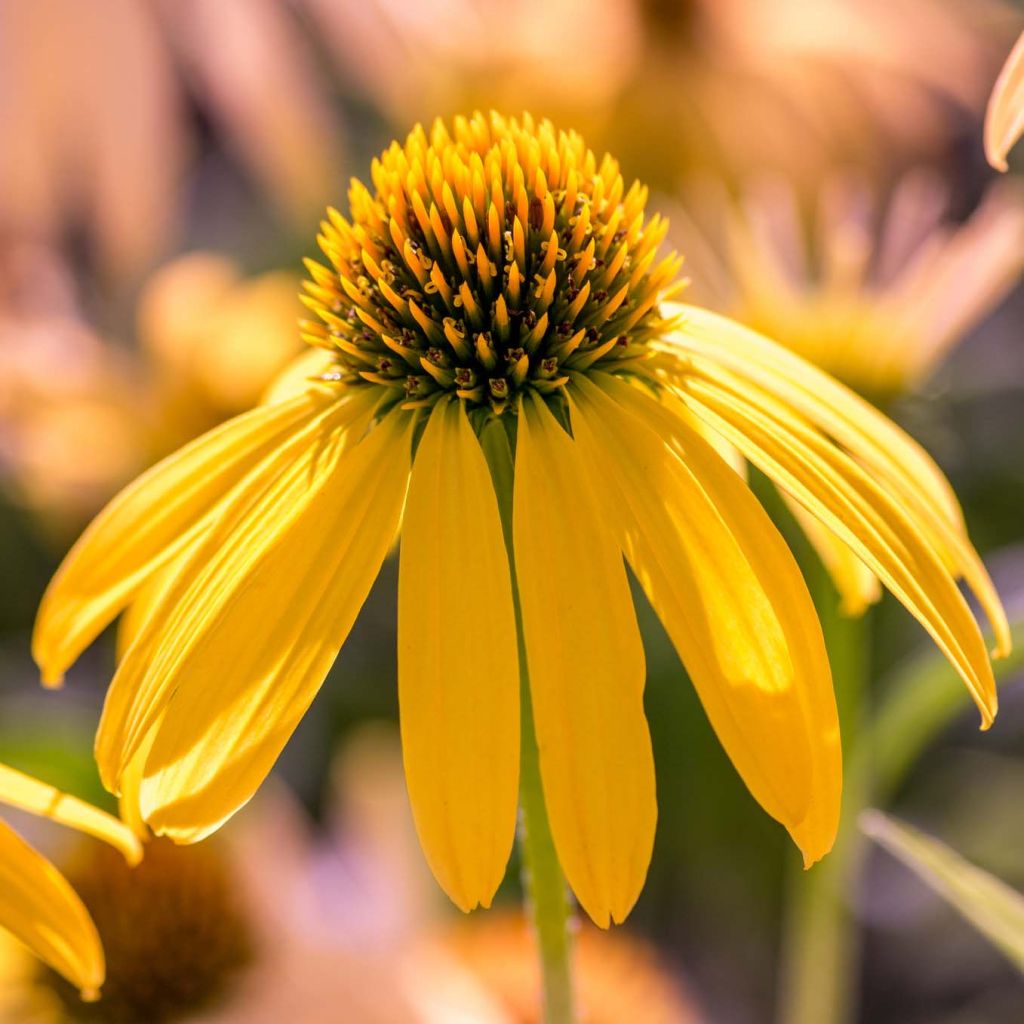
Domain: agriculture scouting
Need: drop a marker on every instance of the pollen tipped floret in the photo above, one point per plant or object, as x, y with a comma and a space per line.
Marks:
493, 257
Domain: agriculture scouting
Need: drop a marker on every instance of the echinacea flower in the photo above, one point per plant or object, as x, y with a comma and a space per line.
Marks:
874, 287
37, 905
1004, 119
875, 290
499, 351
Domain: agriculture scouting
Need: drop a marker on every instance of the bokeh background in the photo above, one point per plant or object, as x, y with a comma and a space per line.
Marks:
163, 168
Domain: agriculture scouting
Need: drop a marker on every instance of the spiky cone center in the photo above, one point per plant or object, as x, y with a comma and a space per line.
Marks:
489, 259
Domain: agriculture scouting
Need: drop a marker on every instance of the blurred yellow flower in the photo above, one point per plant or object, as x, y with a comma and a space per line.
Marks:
72, 424
1004, 119
212, 339
499, 288
873, 289
79, 414
37, 905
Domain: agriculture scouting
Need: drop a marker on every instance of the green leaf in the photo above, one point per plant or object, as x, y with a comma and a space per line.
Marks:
996, 910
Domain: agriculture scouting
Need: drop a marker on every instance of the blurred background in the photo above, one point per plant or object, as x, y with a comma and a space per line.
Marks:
163, 168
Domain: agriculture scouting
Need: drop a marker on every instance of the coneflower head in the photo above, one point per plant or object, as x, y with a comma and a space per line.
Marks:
488, 259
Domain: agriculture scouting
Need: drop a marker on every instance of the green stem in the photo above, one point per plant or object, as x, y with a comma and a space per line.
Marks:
820, 941
543, 879
546, 891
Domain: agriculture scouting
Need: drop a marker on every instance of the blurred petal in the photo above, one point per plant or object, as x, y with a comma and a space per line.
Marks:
39, 907
458, 666
113, 167
1004, 119
731, 597
153, 518
303, 588
259, 80
858, 586
586, 667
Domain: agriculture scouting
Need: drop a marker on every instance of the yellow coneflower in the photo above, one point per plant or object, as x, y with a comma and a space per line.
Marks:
1004, 119
875, 291
37, 905
508, 383
876, 288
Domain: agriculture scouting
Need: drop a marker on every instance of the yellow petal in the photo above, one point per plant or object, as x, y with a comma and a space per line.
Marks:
898, 464
858, 586
265, 645
129, 805
1004, 119
29, 794
150, 596
458, 668
586, 668
177, 601
145, 525
837, 490
731, 598
299, 376
40, 908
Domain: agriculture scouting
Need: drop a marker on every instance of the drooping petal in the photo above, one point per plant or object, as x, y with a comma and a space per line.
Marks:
29, 794
178, 601
712, 343
150, 596
848, 500
458, 667
265, 645
731, 598
146, 524
130, 785
586, 668
40, 908
857, 585
1004, 119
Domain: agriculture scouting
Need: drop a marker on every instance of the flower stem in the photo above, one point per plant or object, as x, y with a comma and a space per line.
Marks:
546, 891
542, 877
820, 956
